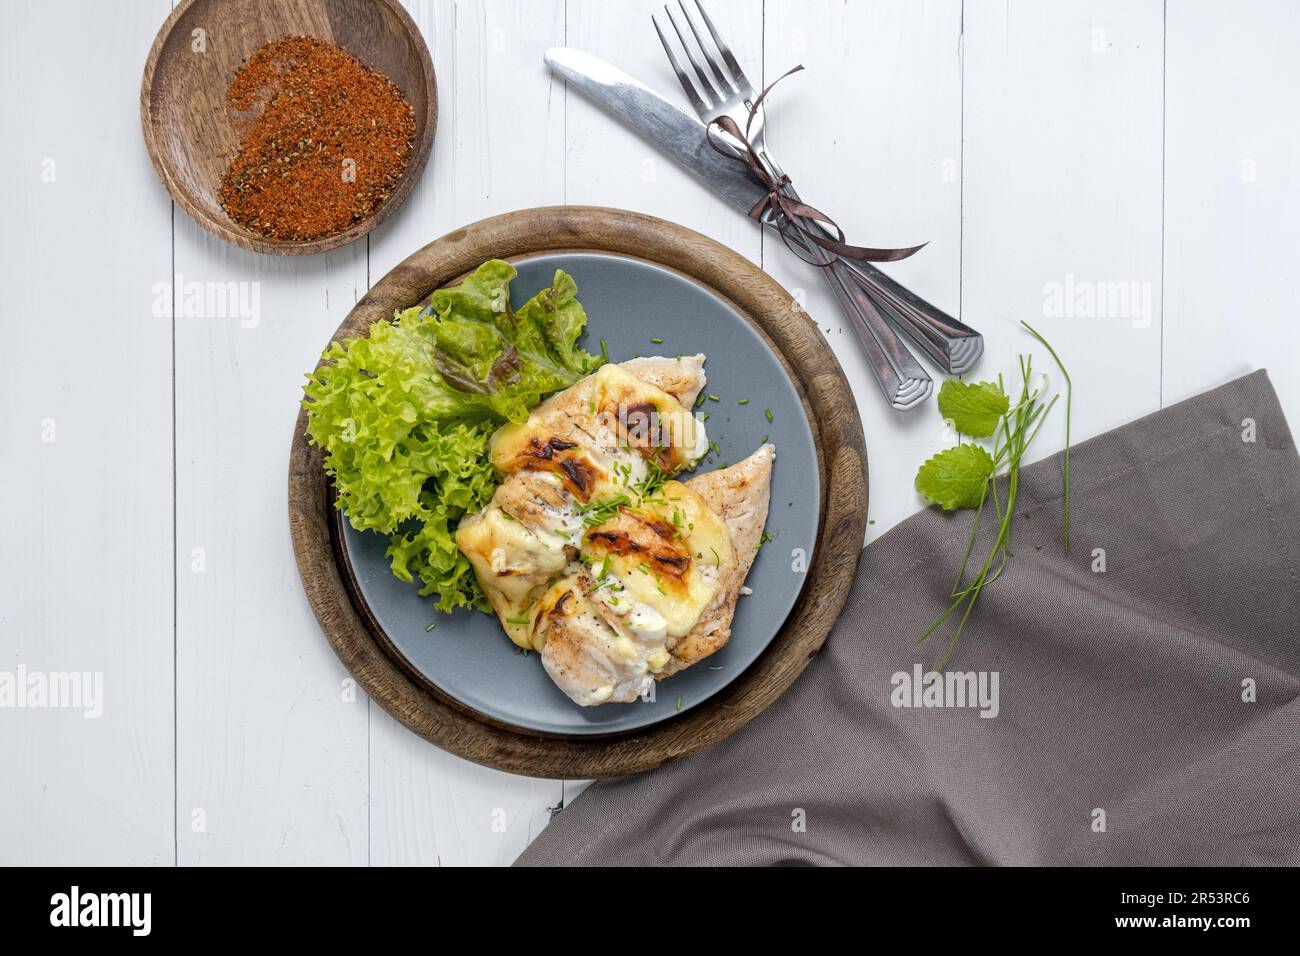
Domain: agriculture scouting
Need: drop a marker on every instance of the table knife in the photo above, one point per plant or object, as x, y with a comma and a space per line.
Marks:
953, 346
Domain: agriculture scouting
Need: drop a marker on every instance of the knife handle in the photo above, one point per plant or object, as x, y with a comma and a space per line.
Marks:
901, 378
952, 345
905, 383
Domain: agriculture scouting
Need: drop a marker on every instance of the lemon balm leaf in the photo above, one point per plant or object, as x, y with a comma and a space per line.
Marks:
955, 477
973, 408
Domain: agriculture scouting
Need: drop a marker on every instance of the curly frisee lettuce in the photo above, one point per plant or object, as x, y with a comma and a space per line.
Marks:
405, 414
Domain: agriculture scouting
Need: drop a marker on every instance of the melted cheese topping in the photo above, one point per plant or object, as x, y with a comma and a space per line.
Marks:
660, 552
607, 647
592, 433
653, 563
511, 561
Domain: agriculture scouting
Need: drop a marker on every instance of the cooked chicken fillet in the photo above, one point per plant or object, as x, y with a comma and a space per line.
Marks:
604, 423
613, 580
593, 442
739, 495
588, 658
597, 652
682, 377
653, 568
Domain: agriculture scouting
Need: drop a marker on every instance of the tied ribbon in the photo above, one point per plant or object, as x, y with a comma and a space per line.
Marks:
790, 213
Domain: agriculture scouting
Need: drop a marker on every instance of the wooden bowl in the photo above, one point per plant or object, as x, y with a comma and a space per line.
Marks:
190, 133
842, 475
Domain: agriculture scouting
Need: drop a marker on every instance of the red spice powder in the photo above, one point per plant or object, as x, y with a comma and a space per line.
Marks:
330, 143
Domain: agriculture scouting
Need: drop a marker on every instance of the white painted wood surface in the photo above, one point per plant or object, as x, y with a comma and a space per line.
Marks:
1138, 153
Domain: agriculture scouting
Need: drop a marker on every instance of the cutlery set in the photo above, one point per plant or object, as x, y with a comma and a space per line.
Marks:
713, 147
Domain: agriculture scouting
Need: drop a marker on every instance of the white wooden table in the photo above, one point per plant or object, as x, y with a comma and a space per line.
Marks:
1141, 156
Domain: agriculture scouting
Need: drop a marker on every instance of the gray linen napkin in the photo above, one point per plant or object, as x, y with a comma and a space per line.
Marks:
1146, 713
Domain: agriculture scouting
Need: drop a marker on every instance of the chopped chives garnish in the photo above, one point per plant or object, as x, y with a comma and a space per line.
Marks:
657, 341
768, 413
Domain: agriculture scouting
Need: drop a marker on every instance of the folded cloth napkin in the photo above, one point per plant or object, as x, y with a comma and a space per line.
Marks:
1147, 704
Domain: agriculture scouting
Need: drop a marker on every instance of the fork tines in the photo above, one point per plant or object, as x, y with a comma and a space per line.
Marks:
728, 83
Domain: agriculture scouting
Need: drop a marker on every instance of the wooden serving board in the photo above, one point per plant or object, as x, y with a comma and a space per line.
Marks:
842, 468
191, 134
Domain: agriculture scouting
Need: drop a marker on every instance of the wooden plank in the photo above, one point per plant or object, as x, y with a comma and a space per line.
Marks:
1062, 186
871, 132
1231, 197
430, 807
500, 146
272, 748
85, 573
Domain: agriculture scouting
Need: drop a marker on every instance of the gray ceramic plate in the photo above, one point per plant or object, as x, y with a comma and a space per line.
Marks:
468, 656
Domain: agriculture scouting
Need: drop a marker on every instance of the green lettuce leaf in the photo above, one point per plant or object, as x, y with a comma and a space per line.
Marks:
404, 415
512, 359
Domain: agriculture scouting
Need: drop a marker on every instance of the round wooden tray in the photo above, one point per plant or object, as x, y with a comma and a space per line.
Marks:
188, 129
843, 479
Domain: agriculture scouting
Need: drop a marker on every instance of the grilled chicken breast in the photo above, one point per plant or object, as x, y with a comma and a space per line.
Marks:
682, 378
596, 441
615, 574
739, 495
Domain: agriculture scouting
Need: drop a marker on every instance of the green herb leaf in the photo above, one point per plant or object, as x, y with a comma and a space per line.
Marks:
974, 409
1019, 425
955, 478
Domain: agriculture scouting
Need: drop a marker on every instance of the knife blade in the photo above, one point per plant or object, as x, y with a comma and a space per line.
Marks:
952, 345
685, 139
675, 132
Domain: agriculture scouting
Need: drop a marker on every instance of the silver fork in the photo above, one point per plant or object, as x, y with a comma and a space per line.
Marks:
867, 295
902, 379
